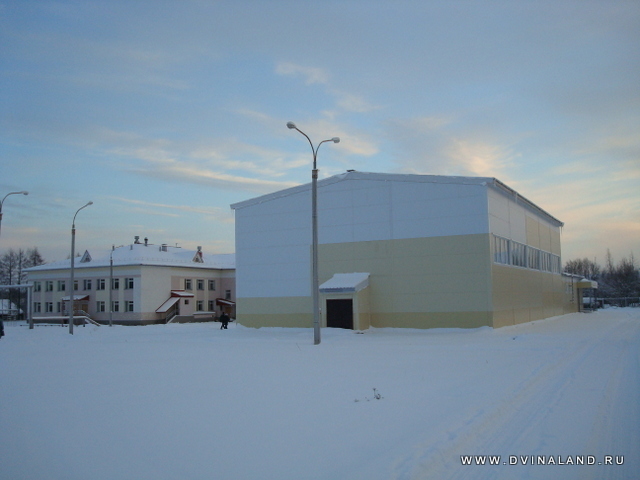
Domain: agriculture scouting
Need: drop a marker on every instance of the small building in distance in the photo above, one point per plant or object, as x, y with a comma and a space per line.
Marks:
396, 250
137, 284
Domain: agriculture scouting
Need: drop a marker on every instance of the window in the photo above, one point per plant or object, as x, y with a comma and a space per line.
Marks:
227, 294
501, 250
62, 285
518, 254
87, 284
37, 287
115, 284
48, 286
187, 284
545, 261
115, 306
508, 252
100, 307
533, 258
199, 305
59, 307
212, 306
128, 306
37, 307
212, 284
75, 285
200, 284
48, 307
100, 284
128, 283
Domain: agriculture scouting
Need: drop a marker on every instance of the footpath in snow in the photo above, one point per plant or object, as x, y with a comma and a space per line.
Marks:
557, 398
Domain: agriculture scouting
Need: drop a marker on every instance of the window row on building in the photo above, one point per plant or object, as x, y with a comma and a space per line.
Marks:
516, 254
100, 306
87, 284
188, 284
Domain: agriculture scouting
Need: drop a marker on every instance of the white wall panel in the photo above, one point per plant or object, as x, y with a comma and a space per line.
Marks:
273, 238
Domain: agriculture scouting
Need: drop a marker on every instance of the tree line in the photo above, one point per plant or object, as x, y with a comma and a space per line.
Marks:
12, 272
621, 279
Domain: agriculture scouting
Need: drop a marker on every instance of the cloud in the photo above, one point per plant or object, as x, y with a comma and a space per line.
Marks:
312, 75
234, 165
189, 173
163, 209
437, 145
477, 157
353, 103
598, 205
345, 101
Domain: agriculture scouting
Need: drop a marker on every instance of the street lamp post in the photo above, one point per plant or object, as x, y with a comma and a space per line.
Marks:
2, 202
315, 288
73, 252
113, 247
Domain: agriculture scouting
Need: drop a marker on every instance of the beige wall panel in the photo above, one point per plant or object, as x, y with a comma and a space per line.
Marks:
542, 235
521, 295
364, 309
533, 232
545, 238
288, 320
503, 318
274, 312
555, 243
431, 320
440, 274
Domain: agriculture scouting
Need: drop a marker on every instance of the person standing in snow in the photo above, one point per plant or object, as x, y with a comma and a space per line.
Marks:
224, 319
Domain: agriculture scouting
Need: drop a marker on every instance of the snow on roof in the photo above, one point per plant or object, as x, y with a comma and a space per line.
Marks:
141, 254
345, 283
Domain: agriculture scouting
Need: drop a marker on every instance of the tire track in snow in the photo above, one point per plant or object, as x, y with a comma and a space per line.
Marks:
623, 382
522, 424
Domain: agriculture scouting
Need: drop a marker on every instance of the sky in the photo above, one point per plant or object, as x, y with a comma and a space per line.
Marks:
163, 113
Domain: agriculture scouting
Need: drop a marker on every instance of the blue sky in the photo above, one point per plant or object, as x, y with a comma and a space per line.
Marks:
163, 113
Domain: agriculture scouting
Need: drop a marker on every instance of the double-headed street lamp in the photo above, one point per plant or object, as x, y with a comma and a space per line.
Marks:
73, 252
2, 202
315, 288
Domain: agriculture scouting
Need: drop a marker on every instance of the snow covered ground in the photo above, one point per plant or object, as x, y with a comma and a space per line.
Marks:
181, 402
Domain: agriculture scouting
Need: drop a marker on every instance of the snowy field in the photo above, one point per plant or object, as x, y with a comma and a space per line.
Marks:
181, 402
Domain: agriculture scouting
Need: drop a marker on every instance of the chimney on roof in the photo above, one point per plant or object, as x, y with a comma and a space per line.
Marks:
136, 239
146, 241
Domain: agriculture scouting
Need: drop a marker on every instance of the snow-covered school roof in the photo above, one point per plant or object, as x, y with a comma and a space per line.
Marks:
145, 254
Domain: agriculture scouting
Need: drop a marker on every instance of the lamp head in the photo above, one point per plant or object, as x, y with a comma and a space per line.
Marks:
291, 125
25, 193
335, 139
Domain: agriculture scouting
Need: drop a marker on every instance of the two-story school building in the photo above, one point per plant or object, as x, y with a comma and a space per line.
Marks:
136, 284
398, 250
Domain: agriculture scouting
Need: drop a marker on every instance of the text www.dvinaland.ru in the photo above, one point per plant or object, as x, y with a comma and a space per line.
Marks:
542, 460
